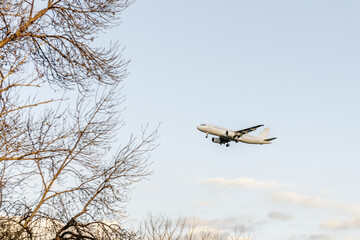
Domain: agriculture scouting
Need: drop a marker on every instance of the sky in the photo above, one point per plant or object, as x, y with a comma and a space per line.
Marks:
291, 65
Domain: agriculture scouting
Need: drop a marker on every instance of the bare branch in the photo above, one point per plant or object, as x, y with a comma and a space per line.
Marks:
62, 173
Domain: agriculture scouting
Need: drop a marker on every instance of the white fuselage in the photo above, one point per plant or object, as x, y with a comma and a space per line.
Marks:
231, 135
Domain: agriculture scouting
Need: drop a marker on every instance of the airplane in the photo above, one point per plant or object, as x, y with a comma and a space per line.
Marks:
226, 135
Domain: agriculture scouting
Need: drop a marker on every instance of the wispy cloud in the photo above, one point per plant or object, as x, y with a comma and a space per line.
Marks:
319, 237
244, 225
204, 203
351, 224
279, 216
247, 183
314, 202
251, 183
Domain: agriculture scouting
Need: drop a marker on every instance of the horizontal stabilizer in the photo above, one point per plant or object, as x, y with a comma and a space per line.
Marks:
269, 139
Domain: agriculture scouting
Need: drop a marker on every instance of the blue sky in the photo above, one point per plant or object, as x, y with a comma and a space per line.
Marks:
291, 65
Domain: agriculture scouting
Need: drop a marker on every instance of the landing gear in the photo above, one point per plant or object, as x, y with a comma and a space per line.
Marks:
227, 145
207, 134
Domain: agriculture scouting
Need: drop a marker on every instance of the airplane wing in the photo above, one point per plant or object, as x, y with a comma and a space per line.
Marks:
247, 130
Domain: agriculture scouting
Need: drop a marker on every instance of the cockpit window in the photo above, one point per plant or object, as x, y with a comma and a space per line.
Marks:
203, 125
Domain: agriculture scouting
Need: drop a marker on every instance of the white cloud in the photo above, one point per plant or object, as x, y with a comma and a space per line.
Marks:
247, 183
314, 202
351, 224
231, 224
227, 223
298, 199
279, 216
319, 237
204, 203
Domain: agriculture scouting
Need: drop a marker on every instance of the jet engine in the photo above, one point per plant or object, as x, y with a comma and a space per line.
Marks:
216, 140
230, 134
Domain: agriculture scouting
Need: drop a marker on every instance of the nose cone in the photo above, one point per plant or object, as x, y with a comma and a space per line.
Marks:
201, 127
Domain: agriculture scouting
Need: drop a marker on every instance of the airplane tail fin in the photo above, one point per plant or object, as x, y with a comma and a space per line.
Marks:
264, 133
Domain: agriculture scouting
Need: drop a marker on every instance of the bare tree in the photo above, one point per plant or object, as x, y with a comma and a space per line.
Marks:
162, 227
61, 175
